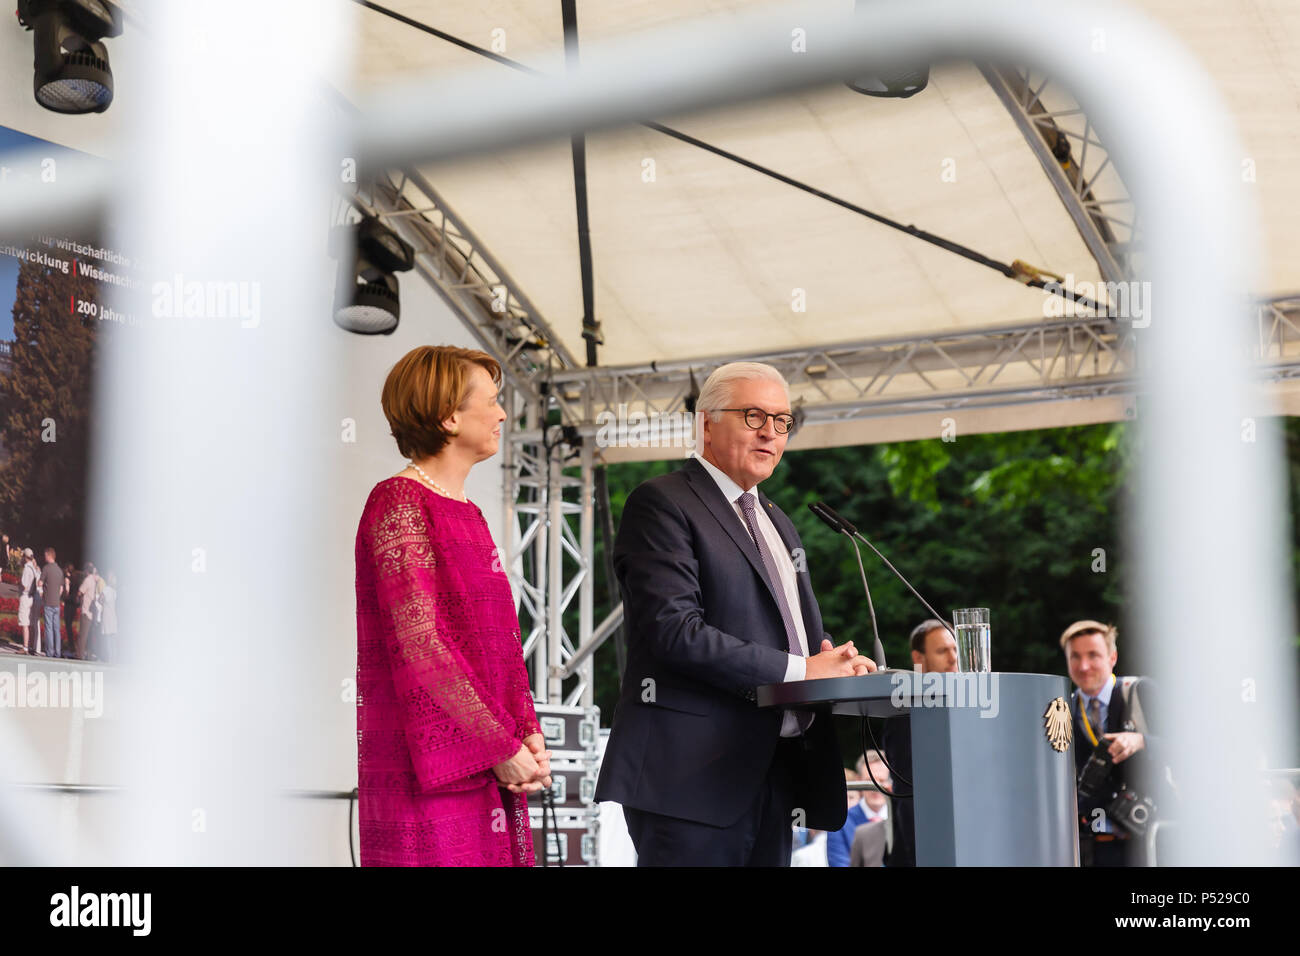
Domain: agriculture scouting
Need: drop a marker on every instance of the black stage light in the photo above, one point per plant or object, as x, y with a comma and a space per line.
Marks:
891, 79
72, 71
900, 82
366, 301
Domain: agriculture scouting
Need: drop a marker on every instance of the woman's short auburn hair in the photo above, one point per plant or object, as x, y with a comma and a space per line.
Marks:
425, 386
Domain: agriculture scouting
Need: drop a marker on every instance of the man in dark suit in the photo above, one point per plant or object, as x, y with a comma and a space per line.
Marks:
1102, 713
717, 601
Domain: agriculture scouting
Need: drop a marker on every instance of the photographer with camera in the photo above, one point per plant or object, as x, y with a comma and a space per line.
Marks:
1110, 730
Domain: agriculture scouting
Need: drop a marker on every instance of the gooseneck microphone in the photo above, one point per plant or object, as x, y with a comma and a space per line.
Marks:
842, 526
839, 525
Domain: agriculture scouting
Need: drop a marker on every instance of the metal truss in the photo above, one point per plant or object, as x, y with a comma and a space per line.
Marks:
1278, 328
989, 367
887, 376
471, 280
551, 562
1063, 359
1077, 164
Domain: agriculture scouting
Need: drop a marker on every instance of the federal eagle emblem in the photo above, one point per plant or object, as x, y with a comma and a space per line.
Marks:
1057, 724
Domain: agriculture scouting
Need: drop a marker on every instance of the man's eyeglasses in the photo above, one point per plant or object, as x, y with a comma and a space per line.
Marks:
756, 418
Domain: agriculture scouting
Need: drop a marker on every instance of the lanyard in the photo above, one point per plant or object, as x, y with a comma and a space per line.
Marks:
1083, 712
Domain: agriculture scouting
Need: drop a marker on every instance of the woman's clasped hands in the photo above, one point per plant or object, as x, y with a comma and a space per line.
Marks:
529, 770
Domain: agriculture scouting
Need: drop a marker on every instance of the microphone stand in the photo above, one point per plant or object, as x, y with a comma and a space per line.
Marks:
875, 631
843, 526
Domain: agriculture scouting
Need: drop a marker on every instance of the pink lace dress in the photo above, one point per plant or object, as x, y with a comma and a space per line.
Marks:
442, 692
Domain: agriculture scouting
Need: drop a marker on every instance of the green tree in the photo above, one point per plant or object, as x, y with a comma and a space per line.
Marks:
1028, 524
47, 395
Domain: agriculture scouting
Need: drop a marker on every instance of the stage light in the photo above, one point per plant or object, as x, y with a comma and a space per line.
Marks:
367, 301
72, 71
898, 82
891, 79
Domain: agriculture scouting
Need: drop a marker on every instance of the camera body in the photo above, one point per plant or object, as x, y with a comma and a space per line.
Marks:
1094, 778
1132, 811
1124, 807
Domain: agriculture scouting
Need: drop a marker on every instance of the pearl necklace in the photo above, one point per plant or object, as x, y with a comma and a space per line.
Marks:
439, 488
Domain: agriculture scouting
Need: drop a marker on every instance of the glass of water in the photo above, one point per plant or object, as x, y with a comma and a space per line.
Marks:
972, 626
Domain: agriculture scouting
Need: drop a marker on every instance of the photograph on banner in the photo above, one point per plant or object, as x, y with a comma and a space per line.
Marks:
57, 598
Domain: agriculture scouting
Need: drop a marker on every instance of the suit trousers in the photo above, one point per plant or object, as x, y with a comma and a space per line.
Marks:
763, 836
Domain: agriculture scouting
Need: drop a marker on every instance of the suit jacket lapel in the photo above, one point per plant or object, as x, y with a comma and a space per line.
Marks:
707, 490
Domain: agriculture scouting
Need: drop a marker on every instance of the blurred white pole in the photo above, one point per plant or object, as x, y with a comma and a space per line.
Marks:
209, 483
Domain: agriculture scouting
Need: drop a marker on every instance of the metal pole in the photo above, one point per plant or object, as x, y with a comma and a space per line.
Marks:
554, 573
586, 588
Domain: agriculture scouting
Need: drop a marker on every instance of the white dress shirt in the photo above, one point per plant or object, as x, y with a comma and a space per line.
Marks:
796, 666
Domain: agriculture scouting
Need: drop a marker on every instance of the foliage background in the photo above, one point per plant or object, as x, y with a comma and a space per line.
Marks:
1015, 522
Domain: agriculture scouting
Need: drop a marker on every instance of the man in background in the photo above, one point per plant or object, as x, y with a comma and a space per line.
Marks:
86, 595
1107, 712
873, 770
52, 595
27, 596
862, 841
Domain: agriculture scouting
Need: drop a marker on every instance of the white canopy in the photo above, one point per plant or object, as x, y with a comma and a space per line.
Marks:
697, 256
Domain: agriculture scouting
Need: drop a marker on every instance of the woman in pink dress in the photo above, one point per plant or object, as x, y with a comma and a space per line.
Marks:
448, 744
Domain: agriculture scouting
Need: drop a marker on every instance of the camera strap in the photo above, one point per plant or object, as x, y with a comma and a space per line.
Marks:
1132, 704
1083, 715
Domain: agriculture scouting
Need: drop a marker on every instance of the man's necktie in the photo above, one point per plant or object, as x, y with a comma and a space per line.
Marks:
769, 564
1094, 717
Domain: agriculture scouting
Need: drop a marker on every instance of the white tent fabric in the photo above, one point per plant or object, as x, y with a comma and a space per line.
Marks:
697, 256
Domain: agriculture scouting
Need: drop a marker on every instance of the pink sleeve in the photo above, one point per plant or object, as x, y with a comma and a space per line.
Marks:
521, 704
454, 729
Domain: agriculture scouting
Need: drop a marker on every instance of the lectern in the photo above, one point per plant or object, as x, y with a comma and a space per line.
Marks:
992, 761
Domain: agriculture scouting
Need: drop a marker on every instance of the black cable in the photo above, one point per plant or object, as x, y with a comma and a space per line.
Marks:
894, 775
946, 244
441, 35
546, 842
921, 234
590, 327
352, 800
548, 807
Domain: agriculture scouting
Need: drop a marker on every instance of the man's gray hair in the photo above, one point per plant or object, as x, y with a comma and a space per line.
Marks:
718, 387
